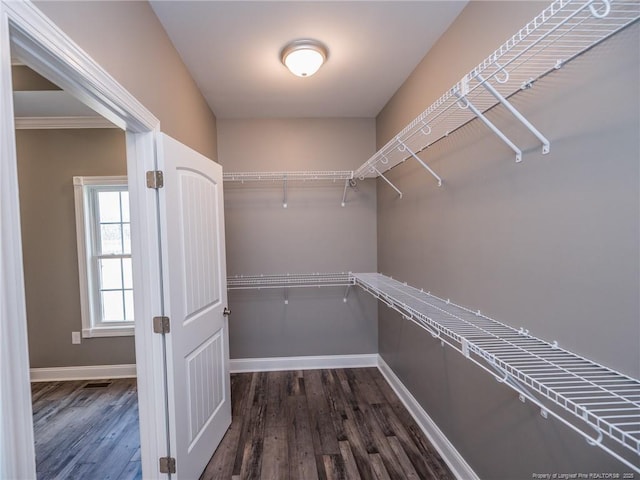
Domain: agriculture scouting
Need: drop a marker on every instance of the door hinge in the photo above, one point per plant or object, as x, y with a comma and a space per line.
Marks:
161, 325
167, 465
155, 179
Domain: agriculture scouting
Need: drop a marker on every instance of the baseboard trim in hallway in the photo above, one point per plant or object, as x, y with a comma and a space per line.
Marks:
86, 372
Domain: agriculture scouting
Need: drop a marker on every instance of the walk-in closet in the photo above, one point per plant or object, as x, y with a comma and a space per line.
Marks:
502, 219
414, 255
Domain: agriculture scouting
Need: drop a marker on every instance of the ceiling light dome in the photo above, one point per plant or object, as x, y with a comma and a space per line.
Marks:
304, 57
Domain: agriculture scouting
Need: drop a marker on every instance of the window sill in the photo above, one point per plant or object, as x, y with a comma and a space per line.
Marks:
97, 332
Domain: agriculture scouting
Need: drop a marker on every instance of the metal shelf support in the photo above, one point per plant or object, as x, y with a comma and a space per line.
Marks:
347, 183
403, 148
379, 174
545, 142
466, 103
284, 192
346, 293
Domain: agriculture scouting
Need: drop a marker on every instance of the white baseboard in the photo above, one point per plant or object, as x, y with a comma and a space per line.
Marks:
447, 451
91, 372
271, 364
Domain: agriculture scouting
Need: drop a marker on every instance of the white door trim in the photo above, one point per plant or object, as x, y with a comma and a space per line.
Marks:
44, 47
16, 424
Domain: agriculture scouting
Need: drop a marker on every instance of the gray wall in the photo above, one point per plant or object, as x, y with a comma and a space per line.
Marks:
47, 162
314, 234
551, 244
128, 41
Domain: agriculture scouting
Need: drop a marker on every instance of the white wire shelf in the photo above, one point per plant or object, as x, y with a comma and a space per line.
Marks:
300, 176
599, 403
299, 280
564, 30
333, 175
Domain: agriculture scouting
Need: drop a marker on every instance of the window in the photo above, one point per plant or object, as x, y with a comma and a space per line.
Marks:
104, 255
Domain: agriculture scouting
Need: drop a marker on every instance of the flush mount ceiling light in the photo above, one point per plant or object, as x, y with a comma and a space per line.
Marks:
304, 57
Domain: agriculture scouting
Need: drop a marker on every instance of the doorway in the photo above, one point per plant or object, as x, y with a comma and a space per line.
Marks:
38, 44
175, 198
80, 332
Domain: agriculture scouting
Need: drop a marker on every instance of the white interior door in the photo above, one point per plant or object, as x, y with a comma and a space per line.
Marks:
195, 293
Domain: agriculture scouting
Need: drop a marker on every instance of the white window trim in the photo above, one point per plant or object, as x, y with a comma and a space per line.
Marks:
83, 223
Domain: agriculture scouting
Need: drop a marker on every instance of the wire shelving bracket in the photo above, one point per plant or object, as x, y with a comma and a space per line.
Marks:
560, 33
599, 403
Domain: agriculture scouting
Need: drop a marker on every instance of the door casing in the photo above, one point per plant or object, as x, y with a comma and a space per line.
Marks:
41, 45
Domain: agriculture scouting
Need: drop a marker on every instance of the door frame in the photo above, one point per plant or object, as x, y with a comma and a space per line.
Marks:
43, 46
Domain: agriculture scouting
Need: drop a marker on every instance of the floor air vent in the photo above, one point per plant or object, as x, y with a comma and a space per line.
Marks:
97, 385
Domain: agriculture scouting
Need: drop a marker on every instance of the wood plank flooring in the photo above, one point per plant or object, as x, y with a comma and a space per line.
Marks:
321, 425
86, 433
297, 425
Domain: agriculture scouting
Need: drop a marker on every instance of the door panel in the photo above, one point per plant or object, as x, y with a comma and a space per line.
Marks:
195, 295
198, 198
205, 385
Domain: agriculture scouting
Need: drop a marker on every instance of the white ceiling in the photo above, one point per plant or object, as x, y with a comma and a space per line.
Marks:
232, 49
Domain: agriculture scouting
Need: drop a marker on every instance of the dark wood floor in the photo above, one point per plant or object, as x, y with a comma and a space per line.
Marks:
321, 424
86, 431
299, 425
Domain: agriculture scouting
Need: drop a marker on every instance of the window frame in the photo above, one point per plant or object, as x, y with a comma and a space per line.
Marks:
87, 242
